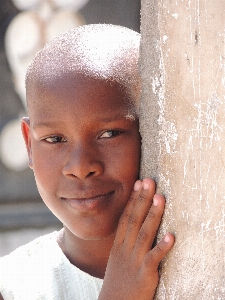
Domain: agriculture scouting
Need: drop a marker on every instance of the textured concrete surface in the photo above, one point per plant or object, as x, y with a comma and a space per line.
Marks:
183, 129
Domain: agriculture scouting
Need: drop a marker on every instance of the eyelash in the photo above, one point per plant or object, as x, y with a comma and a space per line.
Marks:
113, 134
59, 139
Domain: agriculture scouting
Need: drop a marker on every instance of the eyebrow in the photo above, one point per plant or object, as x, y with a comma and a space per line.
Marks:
45, 124
131, 117
127, 116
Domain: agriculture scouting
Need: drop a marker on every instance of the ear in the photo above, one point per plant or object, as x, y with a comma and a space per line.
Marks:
25, 127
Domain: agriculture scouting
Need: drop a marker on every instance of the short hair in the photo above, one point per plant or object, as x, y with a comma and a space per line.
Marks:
102, 51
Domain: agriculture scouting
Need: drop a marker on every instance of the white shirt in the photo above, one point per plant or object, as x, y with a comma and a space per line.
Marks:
41, 271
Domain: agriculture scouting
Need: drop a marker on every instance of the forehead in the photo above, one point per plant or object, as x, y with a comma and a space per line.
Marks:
81, 93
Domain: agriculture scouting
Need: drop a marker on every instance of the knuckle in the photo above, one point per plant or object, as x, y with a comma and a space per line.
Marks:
141, 197
149, 261
154, 257
158, 249
124, 217
132, 198
132, 220
151, 214
142, 236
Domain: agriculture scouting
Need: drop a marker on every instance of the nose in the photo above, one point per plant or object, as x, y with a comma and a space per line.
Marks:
83, 162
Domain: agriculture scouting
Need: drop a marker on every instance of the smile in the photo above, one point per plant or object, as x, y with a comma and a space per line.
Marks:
87, 204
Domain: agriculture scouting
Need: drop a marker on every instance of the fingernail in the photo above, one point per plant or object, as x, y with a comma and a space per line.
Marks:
145, 185
155, 201
167, 238
137, 186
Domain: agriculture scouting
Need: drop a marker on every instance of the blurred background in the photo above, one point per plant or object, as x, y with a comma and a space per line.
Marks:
25, 26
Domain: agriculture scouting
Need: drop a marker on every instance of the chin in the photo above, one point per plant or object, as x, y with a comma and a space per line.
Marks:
92, 236
99, 237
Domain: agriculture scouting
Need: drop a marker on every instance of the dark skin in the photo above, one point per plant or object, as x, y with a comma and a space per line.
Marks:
83, 144
132, 270
86, 154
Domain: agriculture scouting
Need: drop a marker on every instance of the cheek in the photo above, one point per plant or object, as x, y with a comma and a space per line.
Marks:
46, 170
126, 162
133, 163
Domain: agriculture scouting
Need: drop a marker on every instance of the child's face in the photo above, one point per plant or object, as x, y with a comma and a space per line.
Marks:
85, 152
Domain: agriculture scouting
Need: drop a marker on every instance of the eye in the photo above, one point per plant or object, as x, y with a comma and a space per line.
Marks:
109, 134
55, 139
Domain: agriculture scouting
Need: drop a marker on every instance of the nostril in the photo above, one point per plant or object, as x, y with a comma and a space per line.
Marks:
71, 175
82, 168
90, 174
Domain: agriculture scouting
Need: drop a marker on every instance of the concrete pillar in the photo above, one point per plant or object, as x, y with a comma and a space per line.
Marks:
183, 129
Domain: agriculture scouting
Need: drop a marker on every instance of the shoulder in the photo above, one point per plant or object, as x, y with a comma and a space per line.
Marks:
30, 258
29, 264
30, 250
40, 270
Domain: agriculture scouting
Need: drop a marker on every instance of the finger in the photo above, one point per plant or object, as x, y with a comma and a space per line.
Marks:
124, 219
149, 180
154, 257
149, 228
139, 213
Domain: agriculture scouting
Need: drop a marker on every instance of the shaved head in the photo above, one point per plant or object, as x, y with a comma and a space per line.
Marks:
100, 51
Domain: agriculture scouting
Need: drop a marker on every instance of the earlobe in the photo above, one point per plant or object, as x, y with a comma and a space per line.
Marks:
25, 127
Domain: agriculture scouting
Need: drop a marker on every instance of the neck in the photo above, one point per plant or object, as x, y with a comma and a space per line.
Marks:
90, 256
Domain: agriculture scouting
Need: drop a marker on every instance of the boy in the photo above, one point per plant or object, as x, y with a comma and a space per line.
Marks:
83, 145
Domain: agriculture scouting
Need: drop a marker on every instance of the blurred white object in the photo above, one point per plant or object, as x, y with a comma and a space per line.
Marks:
22, 41
62, 21
32, 4
26, 4
12, 147
73, 4
28, 32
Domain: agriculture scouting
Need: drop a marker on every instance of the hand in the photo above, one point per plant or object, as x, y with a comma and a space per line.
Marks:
132, 269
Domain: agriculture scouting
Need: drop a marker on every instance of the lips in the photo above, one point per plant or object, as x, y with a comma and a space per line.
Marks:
89, 203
